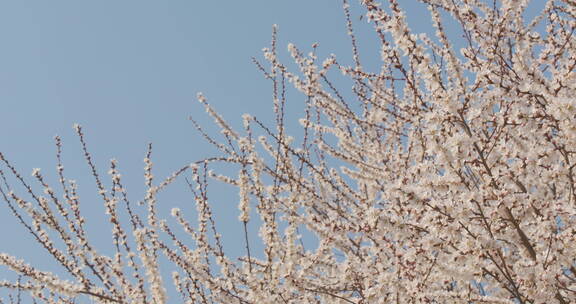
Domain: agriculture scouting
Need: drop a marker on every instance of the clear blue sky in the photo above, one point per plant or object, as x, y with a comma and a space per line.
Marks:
128, 72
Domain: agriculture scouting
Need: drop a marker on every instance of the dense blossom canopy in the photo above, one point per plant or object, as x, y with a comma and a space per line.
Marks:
446, 177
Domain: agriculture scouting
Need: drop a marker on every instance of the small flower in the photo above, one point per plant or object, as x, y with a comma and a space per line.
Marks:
35, 171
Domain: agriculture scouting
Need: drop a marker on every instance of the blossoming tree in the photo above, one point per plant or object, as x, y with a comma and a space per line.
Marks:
446, 177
